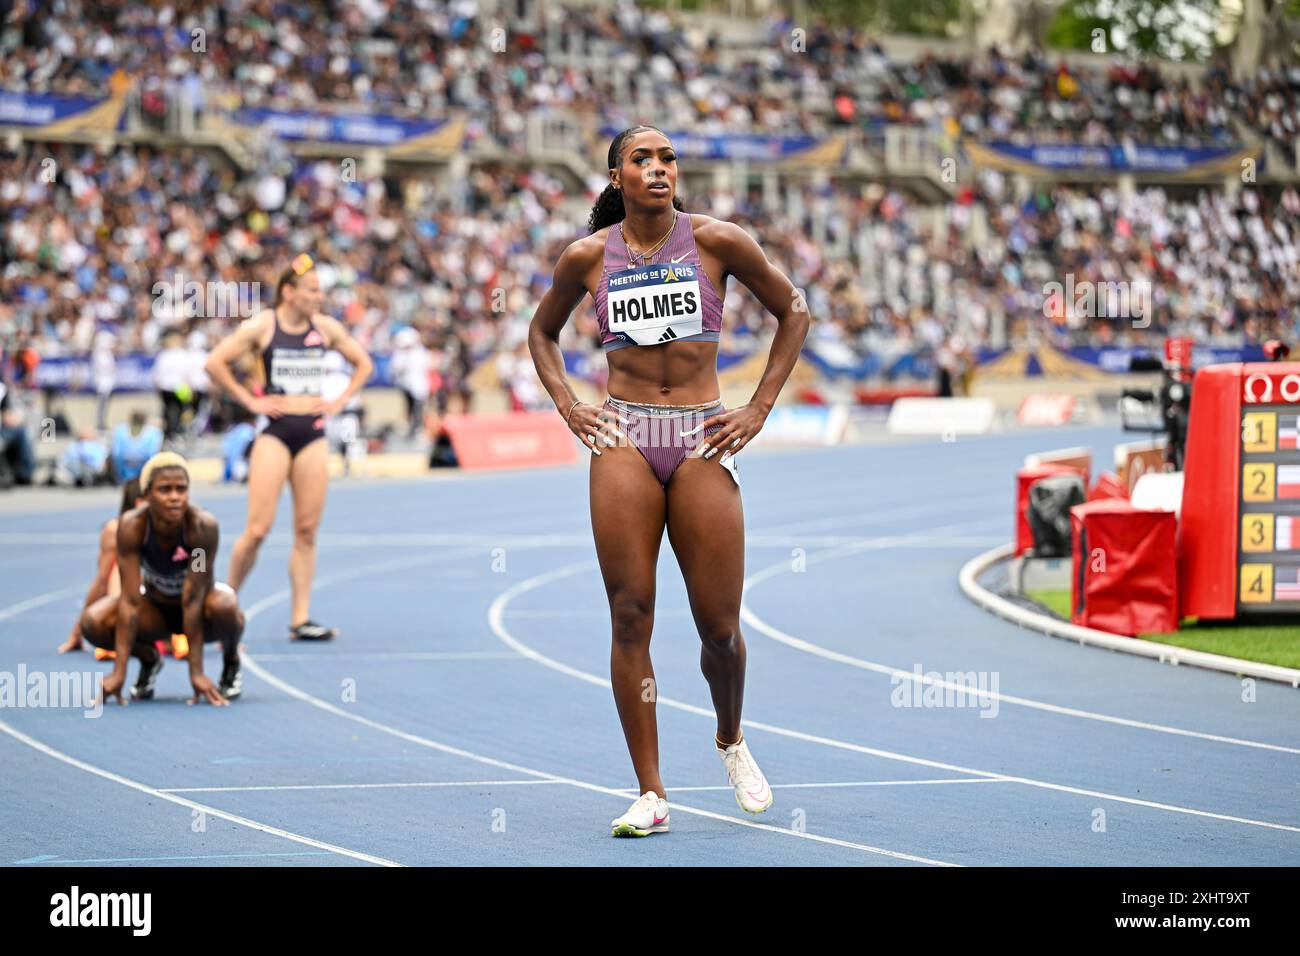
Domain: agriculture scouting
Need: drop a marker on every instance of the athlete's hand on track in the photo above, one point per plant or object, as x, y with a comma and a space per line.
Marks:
73, 643
596, 427
204, 689
272, 406
739, 425
112, 687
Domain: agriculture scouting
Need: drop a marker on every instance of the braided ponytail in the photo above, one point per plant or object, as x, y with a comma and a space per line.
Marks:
608, 208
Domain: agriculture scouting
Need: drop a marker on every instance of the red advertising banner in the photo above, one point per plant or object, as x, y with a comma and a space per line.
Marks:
510, 440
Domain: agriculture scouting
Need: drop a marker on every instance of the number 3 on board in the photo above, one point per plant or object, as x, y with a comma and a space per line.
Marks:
1256, 532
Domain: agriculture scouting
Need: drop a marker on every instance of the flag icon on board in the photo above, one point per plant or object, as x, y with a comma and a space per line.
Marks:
1288, 432
1288, 481
1286, 585
1284, 534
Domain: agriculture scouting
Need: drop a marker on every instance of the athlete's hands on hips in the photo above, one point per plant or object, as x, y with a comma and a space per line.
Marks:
272, 406
596, 427
329, 407
113, 685
739, 425
204, 689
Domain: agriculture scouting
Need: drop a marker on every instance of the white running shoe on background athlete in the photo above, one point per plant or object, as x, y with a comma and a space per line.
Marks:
648, 815
752, 792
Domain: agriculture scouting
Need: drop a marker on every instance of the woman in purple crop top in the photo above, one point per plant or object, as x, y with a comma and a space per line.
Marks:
657, 275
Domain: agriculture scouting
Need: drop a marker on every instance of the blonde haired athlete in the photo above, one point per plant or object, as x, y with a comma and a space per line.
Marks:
166, 551
290, 341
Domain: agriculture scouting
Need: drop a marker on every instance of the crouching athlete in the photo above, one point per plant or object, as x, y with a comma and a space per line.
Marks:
166, 551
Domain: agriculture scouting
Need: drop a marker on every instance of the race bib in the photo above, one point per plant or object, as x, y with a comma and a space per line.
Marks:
297, 371
655, 303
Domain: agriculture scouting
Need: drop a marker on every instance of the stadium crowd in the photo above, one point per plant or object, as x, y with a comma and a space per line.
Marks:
106, 246
608, 64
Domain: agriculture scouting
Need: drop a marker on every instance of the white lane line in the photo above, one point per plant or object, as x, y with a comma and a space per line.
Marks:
751, 619
847, 783
32, 742
329, 708
496, 620
37, 745
1087, 636
182, 801
40, 600
379, 656
255, 668
944, 543
366, 786
896, 513
489, 541
434, 784
549, 613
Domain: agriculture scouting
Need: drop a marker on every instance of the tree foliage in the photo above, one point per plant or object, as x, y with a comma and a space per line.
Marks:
1172, 29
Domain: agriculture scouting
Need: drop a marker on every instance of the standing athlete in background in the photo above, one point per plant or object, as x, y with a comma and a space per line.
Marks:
657, 275
291, 341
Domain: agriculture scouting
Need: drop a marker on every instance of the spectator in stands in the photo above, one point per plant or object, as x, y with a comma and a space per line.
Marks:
455, 368
235, 445
518, 376
85, 460
171, 369
345, 431
17, 462
103, 373
196, 351
410, 371
133, 445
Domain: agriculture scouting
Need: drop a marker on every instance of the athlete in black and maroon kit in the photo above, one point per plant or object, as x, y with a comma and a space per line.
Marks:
291, 341
166, 550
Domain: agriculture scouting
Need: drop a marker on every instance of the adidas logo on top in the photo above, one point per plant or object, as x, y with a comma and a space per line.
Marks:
668, 335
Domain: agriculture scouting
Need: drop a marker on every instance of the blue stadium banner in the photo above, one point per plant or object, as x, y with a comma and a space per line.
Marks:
755, 147
1175, 161
134, 373
396, 133
1094, 363
53, 115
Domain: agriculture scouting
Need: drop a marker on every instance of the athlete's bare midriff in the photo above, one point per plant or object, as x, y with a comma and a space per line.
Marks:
675, 373
293, 404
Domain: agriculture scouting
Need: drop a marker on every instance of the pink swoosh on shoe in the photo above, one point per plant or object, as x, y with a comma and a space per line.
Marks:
659, 819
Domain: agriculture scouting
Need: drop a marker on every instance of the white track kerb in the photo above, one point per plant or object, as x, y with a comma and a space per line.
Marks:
1165, 653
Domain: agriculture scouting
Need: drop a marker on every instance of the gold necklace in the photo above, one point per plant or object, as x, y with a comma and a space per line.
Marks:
644, 256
